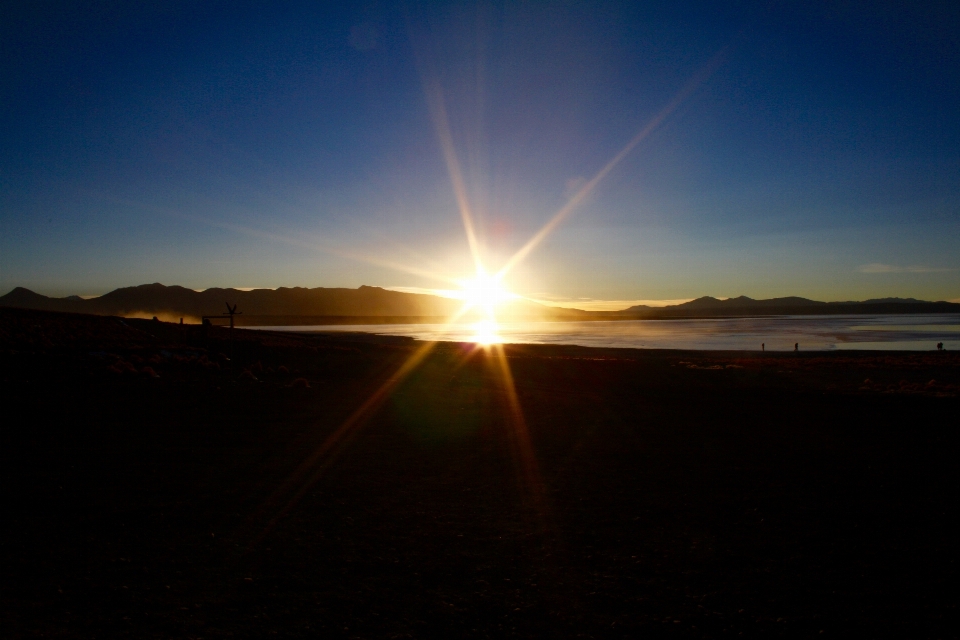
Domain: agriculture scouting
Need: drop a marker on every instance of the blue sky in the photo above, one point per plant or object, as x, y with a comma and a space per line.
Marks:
817, 152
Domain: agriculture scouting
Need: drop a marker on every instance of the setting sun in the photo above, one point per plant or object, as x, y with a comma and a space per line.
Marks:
485, 291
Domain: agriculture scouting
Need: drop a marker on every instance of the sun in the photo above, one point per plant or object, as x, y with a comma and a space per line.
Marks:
485, 292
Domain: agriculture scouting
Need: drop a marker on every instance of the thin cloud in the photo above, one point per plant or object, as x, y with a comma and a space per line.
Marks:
879, 267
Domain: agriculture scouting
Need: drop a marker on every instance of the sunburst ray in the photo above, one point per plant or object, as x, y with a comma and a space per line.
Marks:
698, 79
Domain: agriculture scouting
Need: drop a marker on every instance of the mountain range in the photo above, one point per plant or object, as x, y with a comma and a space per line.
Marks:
793, 302
300, 306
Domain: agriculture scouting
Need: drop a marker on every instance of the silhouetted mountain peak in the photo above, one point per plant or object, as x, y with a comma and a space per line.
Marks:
156, 298
700, 303
790, 300
708, 302
22, 294
892, 300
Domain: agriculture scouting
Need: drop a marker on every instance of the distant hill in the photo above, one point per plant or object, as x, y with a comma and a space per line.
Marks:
744, 302
792, 305
371, 305
708, 304
295, 305
893, 300
157, 299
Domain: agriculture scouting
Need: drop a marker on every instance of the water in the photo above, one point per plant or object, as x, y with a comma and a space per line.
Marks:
813, 333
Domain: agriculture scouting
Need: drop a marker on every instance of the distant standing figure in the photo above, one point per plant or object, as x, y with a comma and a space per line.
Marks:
939, 346
796, 346
763, 346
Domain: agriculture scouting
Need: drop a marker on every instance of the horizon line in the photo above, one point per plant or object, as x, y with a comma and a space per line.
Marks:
545, 299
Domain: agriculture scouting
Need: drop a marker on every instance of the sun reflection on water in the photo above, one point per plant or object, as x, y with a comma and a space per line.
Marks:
485, 333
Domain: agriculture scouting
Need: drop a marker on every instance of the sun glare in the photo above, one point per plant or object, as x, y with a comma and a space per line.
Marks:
485, 291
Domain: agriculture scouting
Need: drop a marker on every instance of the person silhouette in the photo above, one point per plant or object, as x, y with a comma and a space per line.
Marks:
763, 346
796, 346
939, 346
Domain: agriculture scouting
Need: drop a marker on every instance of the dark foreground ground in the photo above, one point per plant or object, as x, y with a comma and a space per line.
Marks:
240, 493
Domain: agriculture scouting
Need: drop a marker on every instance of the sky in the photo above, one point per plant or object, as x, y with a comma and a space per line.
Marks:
763, 149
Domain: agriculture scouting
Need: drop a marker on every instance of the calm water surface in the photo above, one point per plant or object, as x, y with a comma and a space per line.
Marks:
902, 332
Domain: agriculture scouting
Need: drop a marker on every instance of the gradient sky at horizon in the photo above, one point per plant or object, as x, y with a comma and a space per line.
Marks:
239, 144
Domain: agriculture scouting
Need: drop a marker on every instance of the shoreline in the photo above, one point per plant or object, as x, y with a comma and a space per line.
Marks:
372, 336
820, 334
269, 321
175, 332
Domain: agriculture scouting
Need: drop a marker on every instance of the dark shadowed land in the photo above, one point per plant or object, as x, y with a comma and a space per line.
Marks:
159, 483
372, 305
